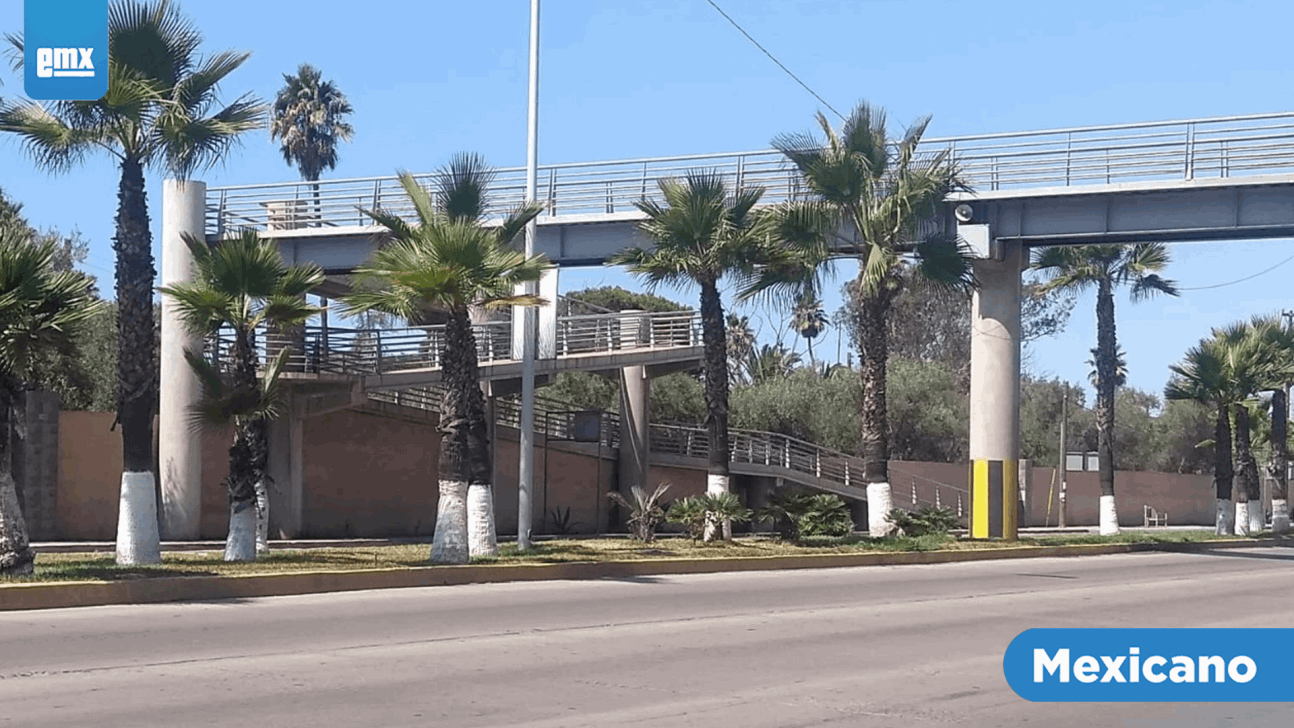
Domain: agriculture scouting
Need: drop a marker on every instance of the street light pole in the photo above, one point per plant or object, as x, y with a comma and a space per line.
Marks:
1063, 467
526, 466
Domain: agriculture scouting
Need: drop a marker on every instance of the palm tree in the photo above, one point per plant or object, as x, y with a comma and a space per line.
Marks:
1204, 376
1279, 340
882, 190
809, 320
161, 111
701, 234
309, 120
1255, 363
41, 309
740, 339
451, 261
242, 284
1104, 267
770, 362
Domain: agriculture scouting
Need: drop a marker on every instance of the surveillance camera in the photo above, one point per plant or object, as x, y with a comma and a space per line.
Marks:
964, 212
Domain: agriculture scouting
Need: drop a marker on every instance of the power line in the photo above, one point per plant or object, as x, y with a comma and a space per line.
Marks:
774, 59
1241, 280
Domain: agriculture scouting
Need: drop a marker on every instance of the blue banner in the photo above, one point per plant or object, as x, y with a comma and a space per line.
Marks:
65, 49
1151, 665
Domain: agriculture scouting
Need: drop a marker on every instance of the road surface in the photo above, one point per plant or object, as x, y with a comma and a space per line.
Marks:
876, 646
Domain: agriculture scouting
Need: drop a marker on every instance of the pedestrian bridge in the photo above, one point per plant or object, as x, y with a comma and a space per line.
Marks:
1198, 179
1219, 178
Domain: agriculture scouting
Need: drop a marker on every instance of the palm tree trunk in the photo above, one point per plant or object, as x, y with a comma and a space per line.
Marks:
1223, 473
873, 357
1106, 373
714, 339
137, 534
1247, 469
248, 459
813, 361
464, 454
16, 556
1278, 470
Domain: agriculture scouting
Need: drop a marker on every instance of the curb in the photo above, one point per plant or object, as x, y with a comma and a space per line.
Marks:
198, 588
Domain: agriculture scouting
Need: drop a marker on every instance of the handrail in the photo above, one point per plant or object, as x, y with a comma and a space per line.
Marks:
789, 455
1187, 149
386, 351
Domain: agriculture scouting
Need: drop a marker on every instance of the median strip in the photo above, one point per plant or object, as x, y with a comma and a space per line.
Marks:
156, 589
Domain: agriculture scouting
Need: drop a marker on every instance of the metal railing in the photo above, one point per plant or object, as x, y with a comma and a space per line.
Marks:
1232, 146
798, 457
793, 457
384, 351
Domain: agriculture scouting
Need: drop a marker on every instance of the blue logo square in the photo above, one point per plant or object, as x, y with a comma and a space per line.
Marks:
65, 49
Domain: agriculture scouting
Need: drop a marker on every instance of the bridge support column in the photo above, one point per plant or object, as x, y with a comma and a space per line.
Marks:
286, 464
995, 395
635, 396
179, 447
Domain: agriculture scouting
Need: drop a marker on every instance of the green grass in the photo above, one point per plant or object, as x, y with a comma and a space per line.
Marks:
100, 566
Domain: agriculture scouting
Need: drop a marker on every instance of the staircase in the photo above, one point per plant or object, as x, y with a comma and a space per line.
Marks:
752, 452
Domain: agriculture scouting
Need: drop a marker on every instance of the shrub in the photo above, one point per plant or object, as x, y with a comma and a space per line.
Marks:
797, 514
689, 513
827, 515
925, 521
645, 512
697, 513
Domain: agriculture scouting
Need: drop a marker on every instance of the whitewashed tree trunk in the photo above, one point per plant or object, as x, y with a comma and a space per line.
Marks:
1225, 519
880, 501
240, 545
716, 485
1242, 519
482, 539
449, 544
262, 518
1109, 524
1257, 518
1280, 516
14, 545
137, 537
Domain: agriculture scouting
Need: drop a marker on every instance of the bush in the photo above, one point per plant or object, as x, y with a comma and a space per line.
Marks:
645, 512
925, 521
797, 514
696, 513
827, 515
690, 514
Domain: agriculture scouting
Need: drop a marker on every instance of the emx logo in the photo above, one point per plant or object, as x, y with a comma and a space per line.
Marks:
64, 62
65, 44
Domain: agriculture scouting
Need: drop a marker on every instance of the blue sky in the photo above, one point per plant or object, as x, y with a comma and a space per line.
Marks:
633, 78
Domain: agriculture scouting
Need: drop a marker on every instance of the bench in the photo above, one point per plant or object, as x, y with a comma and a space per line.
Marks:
1151, 517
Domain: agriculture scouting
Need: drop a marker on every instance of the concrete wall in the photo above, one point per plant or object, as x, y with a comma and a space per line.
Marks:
372, 476
1188, 499
368, 476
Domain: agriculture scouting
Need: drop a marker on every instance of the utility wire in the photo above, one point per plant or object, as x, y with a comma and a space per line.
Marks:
1240, 280
774, 59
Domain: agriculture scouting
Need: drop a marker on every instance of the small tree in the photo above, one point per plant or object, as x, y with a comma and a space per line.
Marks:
40, 309
243, 284
645, 511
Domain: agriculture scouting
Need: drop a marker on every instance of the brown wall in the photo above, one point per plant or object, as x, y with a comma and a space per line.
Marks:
371, 476
368, 476
1188, 499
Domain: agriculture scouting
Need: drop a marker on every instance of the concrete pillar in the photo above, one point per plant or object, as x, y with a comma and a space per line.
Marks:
179, 447
286, 463
995, 395
635, 398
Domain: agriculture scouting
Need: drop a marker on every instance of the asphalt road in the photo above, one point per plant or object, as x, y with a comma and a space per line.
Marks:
878, 646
